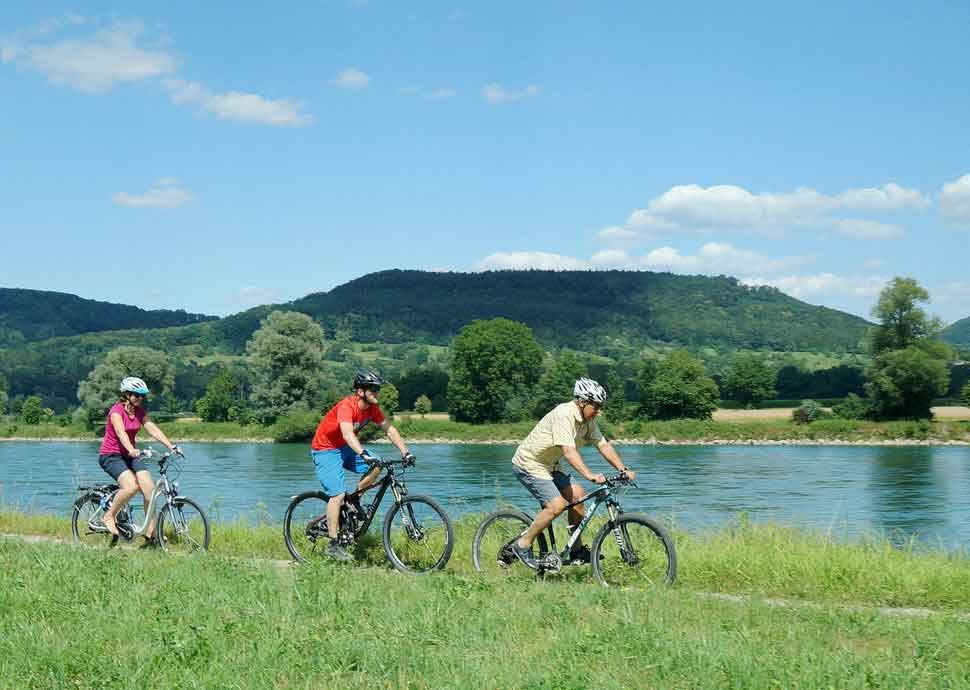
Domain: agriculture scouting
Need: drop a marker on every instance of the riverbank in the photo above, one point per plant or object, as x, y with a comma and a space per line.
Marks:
416, 430
303, 627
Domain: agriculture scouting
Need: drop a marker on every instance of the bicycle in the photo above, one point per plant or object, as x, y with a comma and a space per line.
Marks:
182, 525
639, 552
417, 534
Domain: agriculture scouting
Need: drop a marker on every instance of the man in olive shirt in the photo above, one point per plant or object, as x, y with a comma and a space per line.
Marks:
565, 429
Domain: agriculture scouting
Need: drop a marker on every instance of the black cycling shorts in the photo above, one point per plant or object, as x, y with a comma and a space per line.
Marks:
116, 464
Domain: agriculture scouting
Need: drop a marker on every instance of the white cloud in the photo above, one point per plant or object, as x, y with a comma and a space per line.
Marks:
823, 284
889, 197
495, 93
234, 105
165, 193
694, 208
955, 201
442, 94
95, 64
352, 78
866, 229
524, 260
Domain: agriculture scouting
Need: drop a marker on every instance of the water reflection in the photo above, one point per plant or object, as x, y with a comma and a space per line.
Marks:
907, 495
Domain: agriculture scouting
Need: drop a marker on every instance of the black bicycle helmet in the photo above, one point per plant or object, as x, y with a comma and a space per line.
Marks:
367, 379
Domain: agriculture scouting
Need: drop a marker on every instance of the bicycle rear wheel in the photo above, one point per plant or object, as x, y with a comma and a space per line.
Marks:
305, 526
634, 551
417, 535
490, 549
86, 525
183, 526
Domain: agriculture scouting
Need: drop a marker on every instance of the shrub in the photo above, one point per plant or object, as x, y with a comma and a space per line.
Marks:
809, 411
853, 407
965, 395
295, 426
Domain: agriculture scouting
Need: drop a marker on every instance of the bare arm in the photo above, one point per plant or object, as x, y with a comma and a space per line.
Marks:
394, 437
609, 454
576, 460
158, 434
347, 429
119, 426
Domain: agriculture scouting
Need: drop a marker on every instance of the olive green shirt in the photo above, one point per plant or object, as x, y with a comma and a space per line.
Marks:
539, 454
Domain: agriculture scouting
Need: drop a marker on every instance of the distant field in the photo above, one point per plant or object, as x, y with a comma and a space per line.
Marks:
952, 413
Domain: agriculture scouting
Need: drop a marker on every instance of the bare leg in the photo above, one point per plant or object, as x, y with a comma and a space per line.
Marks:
129, 487
147, 485
577, 512
545, 517
367, 481
333, 514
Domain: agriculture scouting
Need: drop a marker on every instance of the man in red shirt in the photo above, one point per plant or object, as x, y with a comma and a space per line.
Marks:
336, 447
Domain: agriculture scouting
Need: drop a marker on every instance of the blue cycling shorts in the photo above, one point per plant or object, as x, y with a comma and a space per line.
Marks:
330, 466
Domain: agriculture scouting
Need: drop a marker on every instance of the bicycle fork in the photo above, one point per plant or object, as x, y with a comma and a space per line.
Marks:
622, 538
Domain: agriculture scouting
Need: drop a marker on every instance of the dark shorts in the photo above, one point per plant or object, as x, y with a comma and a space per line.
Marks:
115, 465
544, 490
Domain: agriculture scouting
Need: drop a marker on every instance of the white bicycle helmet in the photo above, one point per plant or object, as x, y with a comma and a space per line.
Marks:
133, 384
589, 390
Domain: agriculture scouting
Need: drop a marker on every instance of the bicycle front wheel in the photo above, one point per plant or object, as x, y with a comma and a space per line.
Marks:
183, 526
634, 551
491, 553
86, 525
417, 535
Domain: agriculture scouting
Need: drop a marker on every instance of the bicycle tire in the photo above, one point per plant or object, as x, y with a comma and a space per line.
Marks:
602, 556
88, 505
291, 544
396, 554
483, 561
199, 542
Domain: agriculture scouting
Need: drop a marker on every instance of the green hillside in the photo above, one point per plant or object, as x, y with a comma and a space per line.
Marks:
29, 315
958, 333
611, 313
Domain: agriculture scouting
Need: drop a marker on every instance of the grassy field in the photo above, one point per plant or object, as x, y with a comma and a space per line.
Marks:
77, 618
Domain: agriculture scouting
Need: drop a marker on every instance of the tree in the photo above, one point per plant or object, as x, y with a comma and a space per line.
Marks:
902, 383
680, 388
429, 381
556, 384
286, 356
390, 399
645, 376
495, 367
99, 390
221, 395
910, 367
32, 411
965, 395
749, 380
3, 394
422, 405
615, 408
901, 322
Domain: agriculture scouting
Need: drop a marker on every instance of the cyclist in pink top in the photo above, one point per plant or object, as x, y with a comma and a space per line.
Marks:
121, 459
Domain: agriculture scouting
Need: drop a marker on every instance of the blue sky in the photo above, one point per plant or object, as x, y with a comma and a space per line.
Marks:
214, 156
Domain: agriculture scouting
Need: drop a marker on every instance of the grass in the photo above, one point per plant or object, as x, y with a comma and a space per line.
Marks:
119, 619
746, 425
744, 558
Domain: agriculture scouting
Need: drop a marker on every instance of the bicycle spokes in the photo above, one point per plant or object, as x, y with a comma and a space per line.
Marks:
633, 553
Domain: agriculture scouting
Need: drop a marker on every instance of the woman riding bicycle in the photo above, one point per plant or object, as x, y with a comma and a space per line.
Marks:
121, 459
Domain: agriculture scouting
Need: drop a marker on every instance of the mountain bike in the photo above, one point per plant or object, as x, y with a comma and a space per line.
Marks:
417, 533
631, 549
182, 524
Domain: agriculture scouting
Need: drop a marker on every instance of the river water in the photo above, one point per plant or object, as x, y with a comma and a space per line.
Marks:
849, 491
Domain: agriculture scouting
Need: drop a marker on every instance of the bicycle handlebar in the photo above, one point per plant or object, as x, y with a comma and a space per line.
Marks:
406, 462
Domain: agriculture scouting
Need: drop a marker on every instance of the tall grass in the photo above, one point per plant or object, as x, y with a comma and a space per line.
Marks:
76, 618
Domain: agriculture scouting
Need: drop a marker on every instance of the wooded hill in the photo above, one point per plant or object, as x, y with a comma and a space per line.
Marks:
28, 315
958, 333
613, 313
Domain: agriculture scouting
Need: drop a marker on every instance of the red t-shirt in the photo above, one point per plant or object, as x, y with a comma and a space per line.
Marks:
329, 437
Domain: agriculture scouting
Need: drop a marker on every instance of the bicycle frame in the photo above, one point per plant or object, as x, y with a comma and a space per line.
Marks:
383, 483
603, 494
163, 487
